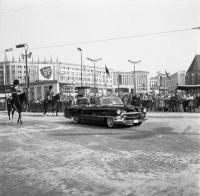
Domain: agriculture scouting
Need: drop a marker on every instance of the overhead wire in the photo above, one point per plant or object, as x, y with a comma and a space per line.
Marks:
115, 38
27, 7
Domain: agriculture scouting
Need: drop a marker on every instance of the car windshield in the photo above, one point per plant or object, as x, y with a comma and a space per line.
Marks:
111, 101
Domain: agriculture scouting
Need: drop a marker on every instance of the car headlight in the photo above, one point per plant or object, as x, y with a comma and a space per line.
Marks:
119, 111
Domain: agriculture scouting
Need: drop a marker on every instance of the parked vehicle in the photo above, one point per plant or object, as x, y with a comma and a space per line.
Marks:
109, 110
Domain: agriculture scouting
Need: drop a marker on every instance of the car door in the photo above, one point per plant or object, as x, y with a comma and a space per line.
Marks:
92, 113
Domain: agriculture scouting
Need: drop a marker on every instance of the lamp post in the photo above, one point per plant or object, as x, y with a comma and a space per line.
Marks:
94, 61
27, 55
79, 49
134, 63
4, 73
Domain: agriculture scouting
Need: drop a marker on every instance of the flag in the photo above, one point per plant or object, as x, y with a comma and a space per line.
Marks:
167, 75
107, 71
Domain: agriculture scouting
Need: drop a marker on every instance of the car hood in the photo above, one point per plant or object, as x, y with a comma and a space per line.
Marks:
127, 108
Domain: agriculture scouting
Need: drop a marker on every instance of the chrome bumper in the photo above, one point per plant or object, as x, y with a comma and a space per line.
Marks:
128, 119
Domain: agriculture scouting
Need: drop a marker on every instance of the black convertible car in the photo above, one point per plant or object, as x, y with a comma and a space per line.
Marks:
109, 110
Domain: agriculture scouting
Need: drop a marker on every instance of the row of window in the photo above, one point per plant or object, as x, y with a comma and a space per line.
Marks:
84, 70
66, 78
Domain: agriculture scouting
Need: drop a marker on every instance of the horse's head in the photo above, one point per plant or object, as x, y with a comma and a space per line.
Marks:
56, 97
23, 97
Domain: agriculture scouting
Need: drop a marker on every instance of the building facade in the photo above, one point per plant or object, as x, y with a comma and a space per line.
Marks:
64, 73
176, 79
153, 83
124, 81
71, 73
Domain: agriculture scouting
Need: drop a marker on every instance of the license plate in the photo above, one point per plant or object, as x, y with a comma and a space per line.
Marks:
135, 121
129, 121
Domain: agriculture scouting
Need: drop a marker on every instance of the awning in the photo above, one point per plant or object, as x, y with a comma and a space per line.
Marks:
188, 87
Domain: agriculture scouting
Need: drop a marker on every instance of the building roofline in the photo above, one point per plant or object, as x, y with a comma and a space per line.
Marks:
130, 72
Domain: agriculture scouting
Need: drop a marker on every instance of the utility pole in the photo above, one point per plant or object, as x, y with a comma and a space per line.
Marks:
27, 55
79, 49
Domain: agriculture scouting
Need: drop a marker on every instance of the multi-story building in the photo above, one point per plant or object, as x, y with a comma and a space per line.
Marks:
98, 78
176, 79
153, 83
124, 81
63, 72
168, 83
69, 75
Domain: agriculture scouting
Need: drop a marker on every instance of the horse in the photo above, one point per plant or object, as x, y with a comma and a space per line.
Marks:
54, 103
16, 103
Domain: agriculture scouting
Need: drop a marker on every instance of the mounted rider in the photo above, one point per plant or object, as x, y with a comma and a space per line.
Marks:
16, 90
50, 93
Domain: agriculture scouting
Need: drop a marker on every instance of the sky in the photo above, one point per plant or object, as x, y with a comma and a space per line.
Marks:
55, 28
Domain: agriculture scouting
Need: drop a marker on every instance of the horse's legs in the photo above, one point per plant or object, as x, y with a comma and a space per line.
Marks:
19, 116
57, 109
46, 106
9, 115
13, 110
52, 109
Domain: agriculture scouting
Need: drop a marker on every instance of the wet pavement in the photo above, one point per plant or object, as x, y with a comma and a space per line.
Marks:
50, 156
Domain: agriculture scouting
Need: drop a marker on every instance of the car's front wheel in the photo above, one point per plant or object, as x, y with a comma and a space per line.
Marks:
110, 122
76, 120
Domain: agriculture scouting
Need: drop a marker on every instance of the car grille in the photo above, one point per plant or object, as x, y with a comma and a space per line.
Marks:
131, 115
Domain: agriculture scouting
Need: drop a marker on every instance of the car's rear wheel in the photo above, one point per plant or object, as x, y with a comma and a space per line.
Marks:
110, 122
137, 124
76, 120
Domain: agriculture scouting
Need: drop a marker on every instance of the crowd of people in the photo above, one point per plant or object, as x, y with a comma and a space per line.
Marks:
179, 101
173, 102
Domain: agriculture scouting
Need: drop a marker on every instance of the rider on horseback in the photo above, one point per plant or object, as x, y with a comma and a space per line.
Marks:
15, 92
50, 93
16, 88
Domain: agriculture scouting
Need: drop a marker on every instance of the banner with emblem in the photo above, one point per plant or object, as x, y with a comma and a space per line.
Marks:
45, 72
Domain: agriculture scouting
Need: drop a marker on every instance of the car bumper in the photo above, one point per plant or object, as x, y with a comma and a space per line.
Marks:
124, 121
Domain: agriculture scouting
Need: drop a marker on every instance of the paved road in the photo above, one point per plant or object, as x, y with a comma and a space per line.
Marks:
50, 156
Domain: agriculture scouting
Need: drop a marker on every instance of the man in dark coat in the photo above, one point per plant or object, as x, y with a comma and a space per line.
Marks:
50, 93
15, 92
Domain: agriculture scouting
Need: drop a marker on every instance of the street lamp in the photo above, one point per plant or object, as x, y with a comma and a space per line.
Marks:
27, 55
4, 73
79, 49
94, 60
196, 28
134, 63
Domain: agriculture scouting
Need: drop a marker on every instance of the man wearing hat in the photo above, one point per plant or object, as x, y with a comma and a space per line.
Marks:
16, 88
50, 93
15, 91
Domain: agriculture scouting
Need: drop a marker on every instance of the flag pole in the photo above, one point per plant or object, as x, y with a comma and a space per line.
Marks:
105, 83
